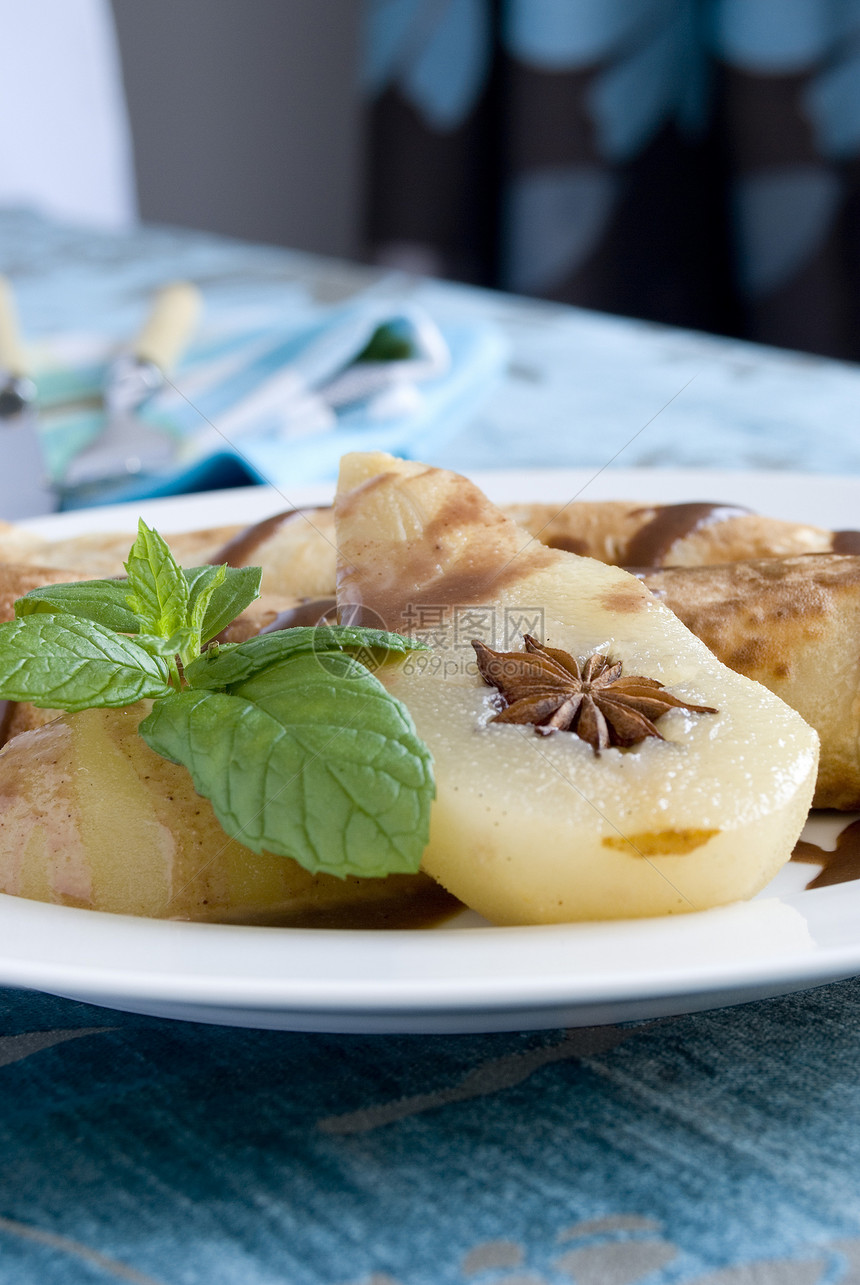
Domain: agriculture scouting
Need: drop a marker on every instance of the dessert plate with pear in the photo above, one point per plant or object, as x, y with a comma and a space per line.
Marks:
542, 800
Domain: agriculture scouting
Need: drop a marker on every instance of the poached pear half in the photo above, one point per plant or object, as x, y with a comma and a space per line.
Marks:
530, 828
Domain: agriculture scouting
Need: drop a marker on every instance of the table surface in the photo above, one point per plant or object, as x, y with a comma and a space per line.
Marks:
715, 1149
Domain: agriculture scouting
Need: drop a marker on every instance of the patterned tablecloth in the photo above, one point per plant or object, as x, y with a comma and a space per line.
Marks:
716, 1149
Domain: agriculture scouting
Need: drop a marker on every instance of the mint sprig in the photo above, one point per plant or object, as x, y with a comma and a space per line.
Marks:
299, 747
221, 593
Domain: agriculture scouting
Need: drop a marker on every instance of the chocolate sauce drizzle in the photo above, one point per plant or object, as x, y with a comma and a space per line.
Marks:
7, 709
846, 542
312, 611
839, 866
569, 544
238, 551
670, 523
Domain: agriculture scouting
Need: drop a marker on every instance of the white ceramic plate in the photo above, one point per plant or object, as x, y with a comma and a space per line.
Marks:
466, 975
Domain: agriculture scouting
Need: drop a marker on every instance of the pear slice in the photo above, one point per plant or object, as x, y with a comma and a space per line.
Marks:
541, 829
92, 817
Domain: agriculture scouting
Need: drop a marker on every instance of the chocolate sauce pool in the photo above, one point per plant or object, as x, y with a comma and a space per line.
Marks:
839, 866
419, 903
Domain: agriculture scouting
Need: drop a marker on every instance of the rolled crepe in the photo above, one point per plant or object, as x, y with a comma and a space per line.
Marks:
17, 579
792, 624
297, 548
629, 534
101, 553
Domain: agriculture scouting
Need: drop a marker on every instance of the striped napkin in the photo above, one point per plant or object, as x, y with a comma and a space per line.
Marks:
230, 435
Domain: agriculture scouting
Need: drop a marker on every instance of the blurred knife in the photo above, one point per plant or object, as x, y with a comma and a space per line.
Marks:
17, 391
127, 446
24, 487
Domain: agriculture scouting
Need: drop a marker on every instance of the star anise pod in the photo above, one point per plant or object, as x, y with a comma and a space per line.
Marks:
549, 688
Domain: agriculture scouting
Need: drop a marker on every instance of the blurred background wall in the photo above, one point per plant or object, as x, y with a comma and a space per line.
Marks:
695, 162
246, 117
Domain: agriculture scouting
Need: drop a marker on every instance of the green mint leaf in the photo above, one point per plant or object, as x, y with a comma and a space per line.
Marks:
60, 662
202, 583
310, 761
221, 668
102, 601
227, 599
157, 590
183, 642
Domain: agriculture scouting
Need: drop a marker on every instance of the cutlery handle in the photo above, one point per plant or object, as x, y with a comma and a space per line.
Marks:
169, 325
12, 360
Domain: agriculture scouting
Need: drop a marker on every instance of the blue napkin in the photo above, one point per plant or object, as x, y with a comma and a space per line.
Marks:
221, 375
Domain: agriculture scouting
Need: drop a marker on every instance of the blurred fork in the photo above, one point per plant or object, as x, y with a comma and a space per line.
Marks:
127, 446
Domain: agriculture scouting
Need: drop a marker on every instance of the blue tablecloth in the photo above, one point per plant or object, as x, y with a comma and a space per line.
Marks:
716, 1149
